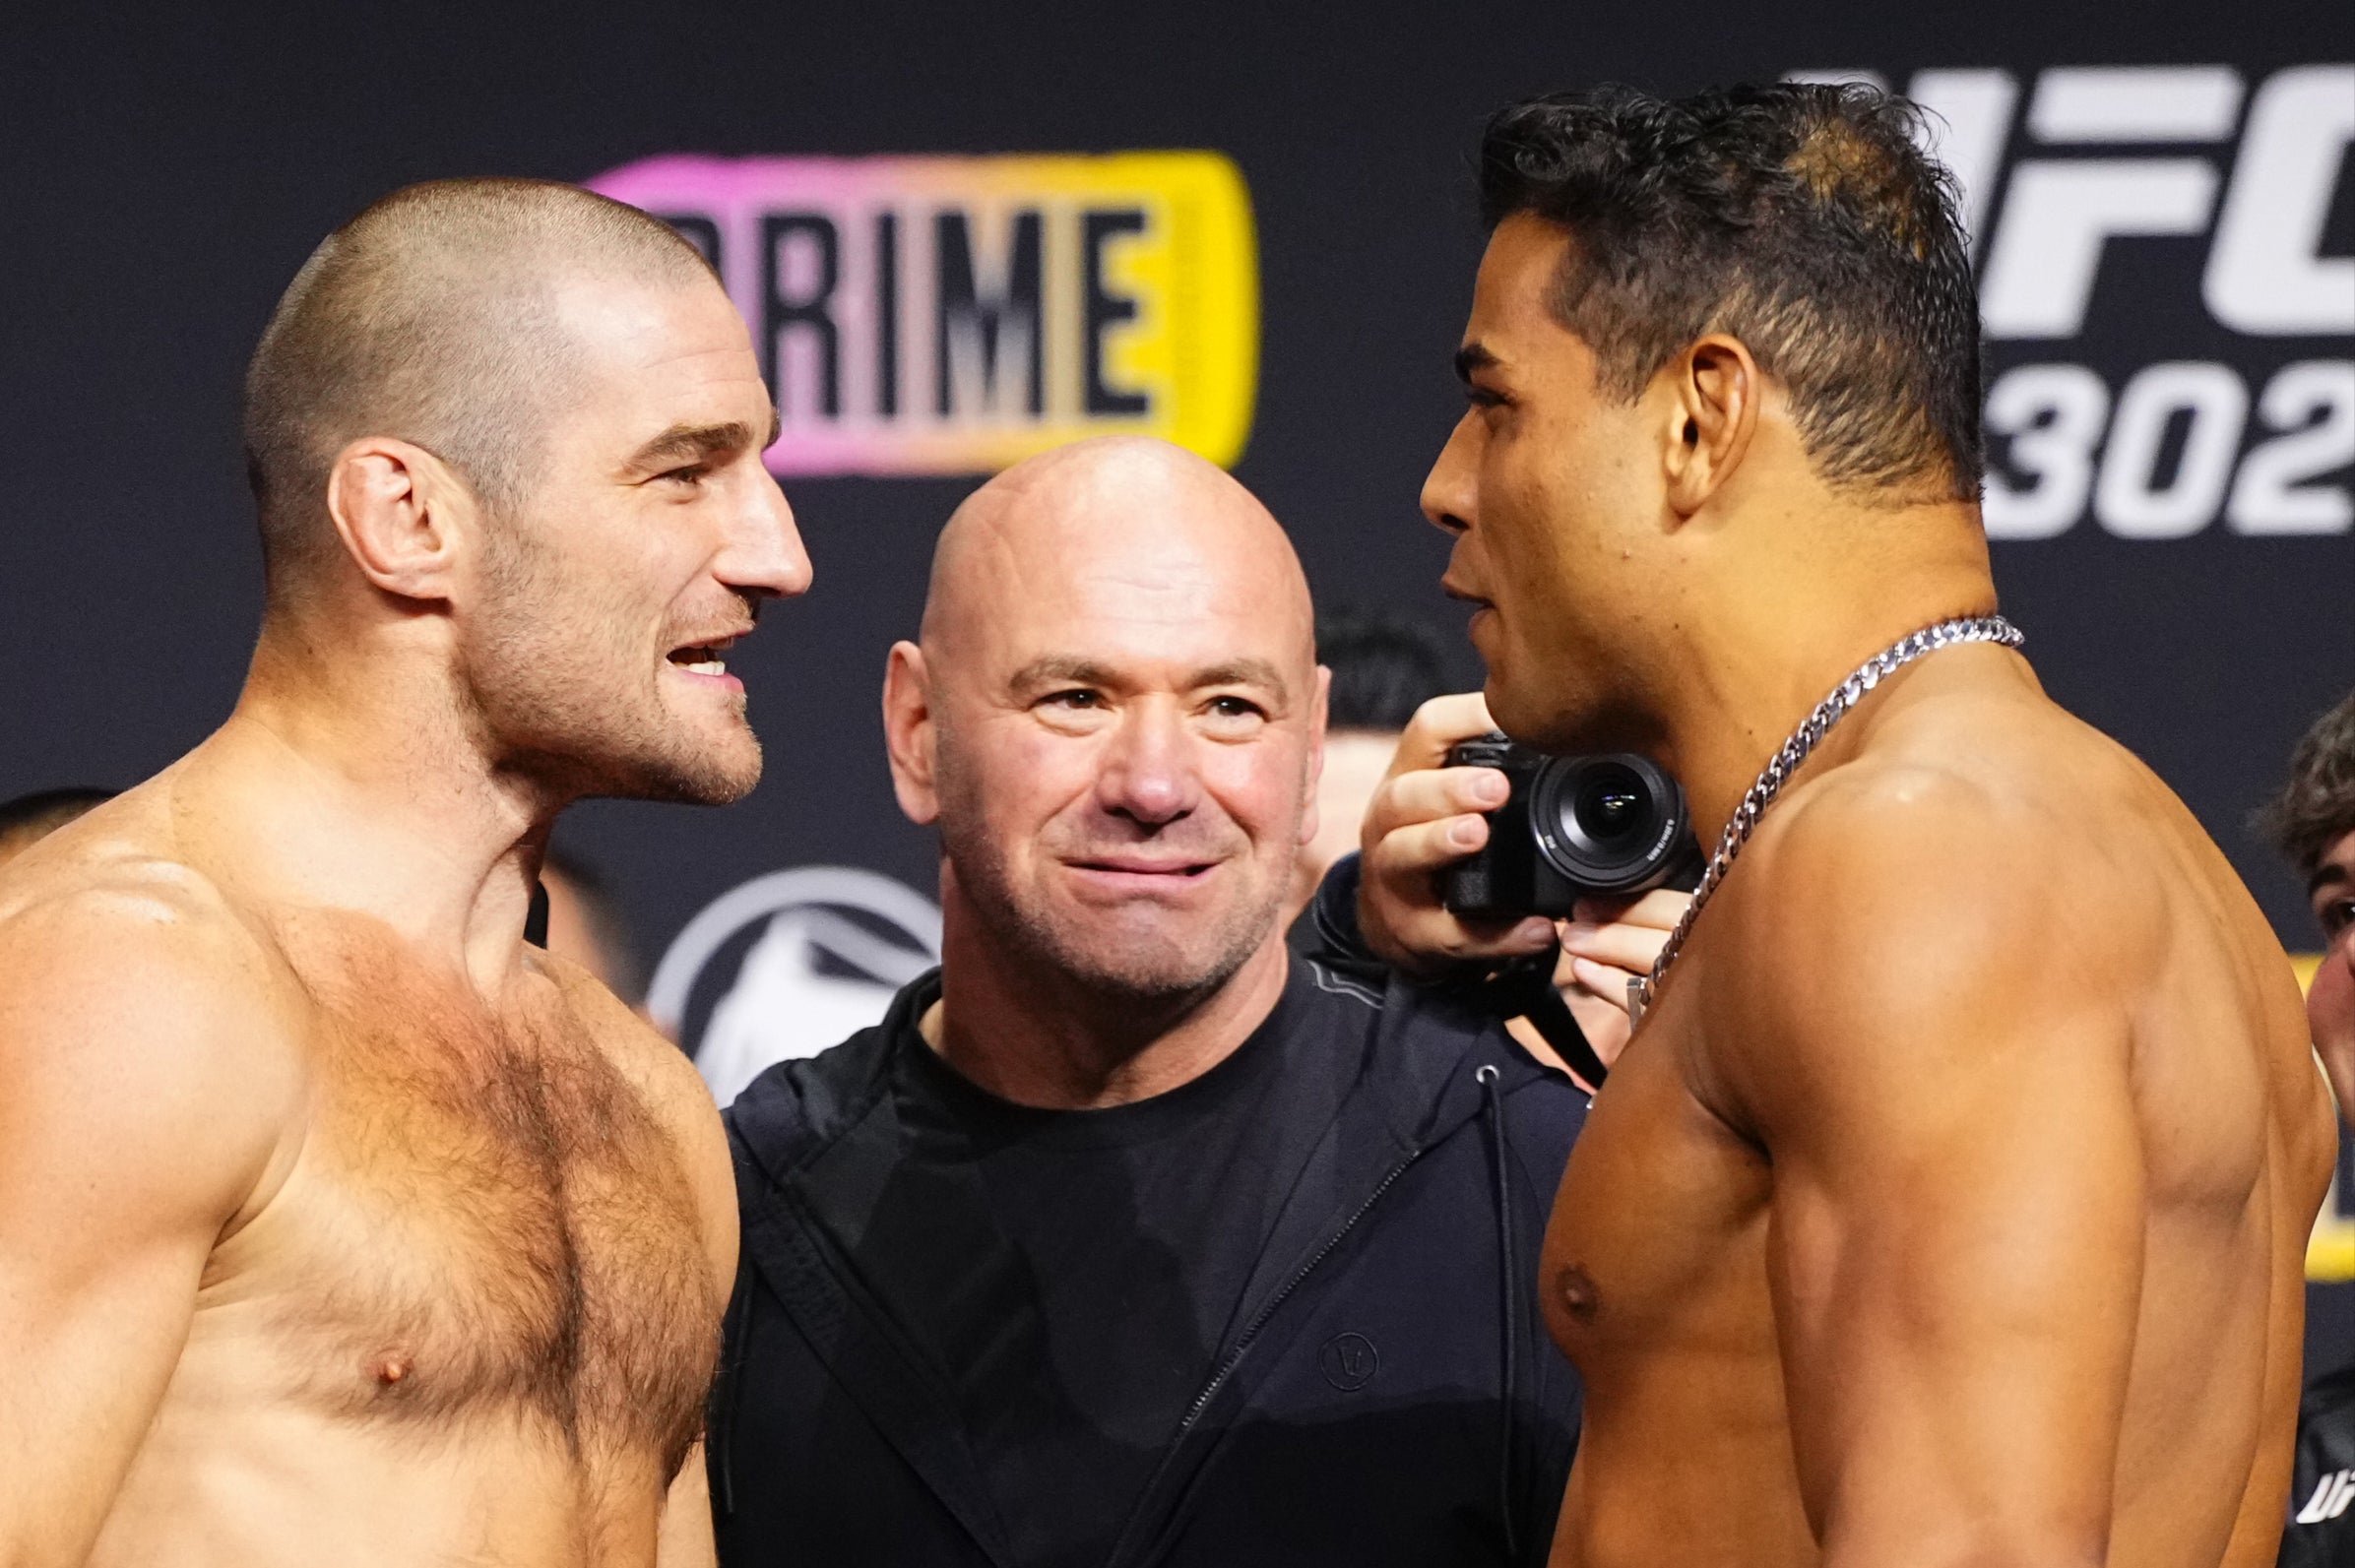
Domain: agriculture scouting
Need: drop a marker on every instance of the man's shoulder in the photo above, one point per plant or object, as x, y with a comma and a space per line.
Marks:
114, 925
2015, 810
796, 1109
1378, 1019
1981, 880
143, 1016
1982, 769
1983, 828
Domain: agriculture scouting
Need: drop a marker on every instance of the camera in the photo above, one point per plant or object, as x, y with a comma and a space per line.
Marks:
1608, 826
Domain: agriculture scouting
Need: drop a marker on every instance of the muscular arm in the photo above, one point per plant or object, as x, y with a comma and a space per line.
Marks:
1941, 1077
135, 1119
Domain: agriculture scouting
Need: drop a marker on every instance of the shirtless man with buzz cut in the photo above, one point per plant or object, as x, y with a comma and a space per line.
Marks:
1947, 1208
337, 1225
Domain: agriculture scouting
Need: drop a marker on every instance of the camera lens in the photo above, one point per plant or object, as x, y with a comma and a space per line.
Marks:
1607, 823
1610, 805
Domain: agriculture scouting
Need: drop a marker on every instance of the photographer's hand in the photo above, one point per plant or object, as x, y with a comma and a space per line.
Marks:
1608, 944
1424, 816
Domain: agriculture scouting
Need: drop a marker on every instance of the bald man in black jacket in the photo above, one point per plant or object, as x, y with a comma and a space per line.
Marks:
1127, 1237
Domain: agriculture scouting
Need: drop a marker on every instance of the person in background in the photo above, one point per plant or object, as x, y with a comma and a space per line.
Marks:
2313, 823
28, 819
585, 924
1128, 1237
1390, 678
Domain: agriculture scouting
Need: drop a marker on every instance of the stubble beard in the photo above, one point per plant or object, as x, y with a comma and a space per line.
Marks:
557, 691
1123, 973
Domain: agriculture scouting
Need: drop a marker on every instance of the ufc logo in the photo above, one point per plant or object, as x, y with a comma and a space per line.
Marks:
2166, 448
2265, 274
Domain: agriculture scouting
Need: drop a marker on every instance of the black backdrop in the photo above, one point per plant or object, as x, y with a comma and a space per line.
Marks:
161, 174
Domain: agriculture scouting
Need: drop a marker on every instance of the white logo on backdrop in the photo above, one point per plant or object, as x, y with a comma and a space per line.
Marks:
2259, 186
784, 1000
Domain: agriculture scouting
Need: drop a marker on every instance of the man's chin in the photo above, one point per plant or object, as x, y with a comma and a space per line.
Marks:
713, 777
1544, 720
1146, 977
1518, 711
1148, 952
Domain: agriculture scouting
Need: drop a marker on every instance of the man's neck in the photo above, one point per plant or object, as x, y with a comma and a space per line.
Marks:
1038, 1037
1790, 632
352, 785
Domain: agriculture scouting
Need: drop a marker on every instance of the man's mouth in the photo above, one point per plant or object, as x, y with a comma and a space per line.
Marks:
1136, 867
1457, 590
703, 659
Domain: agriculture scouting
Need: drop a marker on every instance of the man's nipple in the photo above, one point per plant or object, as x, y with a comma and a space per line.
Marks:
392, 1368
1579, 1296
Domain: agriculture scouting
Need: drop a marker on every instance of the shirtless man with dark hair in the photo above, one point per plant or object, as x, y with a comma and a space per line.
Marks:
1947, 1208
338, 1225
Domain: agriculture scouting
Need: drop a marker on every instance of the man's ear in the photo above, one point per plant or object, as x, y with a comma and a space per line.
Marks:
1309, 815
907, 732
400, 512
1716, 391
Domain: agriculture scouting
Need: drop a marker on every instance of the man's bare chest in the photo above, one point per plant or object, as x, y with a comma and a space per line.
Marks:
1657, 1238
485, 1221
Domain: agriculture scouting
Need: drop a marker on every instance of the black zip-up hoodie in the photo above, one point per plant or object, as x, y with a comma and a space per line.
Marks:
1387, 1396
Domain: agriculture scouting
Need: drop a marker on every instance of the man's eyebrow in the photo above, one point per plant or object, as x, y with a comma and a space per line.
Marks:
1060, 669
2323, 876
1055, 669
695, 442
1241, 673
1474, 356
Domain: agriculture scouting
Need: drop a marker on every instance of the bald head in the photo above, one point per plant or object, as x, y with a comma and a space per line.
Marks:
1115, 718
431, 317
1124, 518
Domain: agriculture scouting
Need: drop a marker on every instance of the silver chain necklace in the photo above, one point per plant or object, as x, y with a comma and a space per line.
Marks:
1784, 762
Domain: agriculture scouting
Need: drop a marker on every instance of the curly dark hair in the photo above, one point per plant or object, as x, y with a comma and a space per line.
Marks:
2317, 808
1802, 218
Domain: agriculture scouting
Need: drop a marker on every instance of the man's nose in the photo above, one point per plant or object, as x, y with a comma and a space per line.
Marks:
1447, 491
1148, 771
763, 553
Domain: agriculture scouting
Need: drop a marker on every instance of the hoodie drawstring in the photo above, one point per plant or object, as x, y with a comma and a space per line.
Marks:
1508, 1263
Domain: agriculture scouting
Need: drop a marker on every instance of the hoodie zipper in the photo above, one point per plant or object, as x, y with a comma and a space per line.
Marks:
1218, 1379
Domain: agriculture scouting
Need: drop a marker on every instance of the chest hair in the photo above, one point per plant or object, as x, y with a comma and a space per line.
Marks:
505, 1228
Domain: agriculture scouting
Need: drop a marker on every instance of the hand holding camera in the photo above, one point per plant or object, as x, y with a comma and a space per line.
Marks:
1572, 829
1456, 869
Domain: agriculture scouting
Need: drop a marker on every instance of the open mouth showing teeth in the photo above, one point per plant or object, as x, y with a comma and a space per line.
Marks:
703, 659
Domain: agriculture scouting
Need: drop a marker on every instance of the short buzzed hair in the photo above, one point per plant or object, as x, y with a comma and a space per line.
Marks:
1802, 218
429, 317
